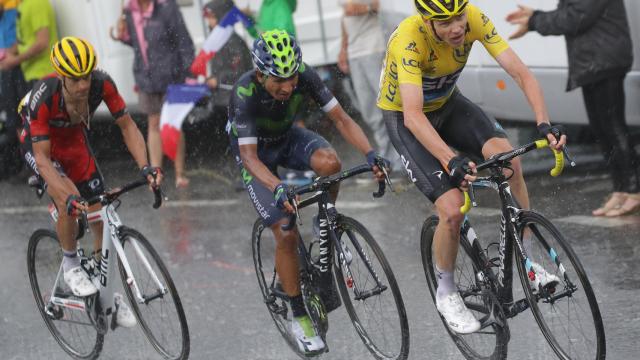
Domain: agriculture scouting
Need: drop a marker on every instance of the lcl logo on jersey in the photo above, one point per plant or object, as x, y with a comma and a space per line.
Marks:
492, 37
460, 54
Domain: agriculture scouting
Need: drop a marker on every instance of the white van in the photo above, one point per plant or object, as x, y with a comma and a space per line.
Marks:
318, 31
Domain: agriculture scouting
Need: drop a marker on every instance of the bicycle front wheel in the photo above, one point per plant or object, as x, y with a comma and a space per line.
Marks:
370, 292
157, 307
71, 327
490, 342
568, 315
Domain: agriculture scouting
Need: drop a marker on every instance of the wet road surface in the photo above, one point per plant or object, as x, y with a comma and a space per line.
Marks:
204, 233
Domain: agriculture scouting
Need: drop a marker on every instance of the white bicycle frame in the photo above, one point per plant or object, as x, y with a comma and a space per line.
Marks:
110, 245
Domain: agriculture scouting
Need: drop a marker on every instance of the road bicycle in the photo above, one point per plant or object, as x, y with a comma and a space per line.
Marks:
80, 324
365, 281
567, 313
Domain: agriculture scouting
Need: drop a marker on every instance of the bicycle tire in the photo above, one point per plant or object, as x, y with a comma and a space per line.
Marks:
541, 311
265, 270
351, 227
43, 262
466, 268
146, 312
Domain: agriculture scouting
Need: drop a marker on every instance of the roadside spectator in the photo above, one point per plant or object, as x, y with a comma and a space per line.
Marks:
36, 33
361, 55
163, 52
600, 55
232, 60
10, 80
277, 14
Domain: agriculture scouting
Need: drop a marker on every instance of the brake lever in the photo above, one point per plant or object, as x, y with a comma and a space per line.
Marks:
566, 154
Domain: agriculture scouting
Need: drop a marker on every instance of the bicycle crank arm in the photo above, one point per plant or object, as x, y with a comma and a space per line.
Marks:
368, 293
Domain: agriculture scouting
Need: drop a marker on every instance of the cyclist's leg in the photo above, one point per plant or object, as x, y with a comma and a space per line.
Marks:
427, 173
308, 150
90, 187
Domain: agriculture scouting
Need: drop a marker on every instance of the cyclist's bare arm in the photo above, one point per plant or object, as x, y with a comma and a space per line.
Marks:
58, 189
349, 130
416, 121
251, 162
133, 139
514, 66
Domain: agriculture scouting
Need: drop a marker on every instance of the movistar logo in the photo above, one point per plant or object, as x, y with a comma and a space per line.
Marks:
246, 91
246, 177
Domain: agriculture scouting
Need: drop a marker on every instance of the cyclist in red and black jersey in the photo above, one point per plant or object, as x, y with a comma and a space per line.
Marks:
56, 116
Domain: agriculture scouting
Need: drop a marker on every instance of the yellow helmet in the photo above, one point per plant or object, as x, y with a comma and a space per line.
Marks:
73, 57
440, 9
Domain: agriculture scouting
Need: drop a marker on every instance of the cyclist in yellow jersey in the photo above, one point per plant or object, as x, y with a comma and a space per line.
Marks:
425, 114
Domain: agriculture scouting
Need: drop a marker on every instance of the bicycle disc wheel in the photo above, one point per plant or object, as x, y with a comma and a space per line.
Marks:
161, 316
490, 342
72, 329
569, 317
379, 319
263, 245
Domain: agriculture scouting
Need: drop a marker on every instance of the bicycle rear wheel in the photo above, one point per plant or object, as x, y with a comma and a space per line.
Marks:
72, 329
160, 312
491, 341
568, 316
263, 246
380, 319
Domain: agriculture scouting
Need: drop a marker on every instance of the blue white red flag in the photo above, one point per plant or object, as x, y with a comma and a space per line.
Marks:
179, 101
217, 38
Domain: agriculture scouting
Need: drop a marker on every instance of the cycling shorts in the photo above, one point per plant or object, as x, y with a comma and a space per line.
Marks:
293, 151
89, 186
460, 123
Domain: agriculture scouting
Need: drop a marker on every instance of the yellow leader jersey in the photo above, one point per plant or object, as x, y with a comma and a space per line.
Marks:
416, 56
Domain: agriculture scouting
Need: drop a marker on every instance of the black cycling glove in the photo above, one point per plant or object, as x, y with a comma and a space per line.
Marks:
150, 170
281, 195
374, 159
458, 167
556, 130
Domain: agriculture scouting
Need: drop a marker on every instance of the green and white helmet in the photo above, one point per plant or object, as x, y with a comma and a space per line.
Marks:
277, 53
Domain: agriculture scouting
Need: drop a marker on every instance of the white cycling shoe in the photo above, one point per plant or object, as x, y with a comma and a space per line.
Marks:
124, 315
455, 312
544, 278
78, 281
308, 341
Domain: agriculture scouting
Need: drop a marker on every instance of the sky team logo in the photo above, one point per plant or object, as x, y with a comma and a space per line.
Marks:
412, 47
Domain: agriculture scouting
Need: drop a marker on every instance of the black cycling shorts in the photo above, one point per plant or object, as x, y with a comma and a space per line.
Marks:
293, 151
92, 186
460, 123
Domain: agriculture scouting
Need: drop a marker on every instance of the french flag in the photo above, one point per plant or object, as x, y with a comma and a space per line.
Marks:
217, 38
179, 101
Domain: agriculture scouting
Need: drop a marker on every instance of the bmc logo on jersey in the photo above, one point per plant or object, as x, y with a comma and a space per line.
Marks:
37, 95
